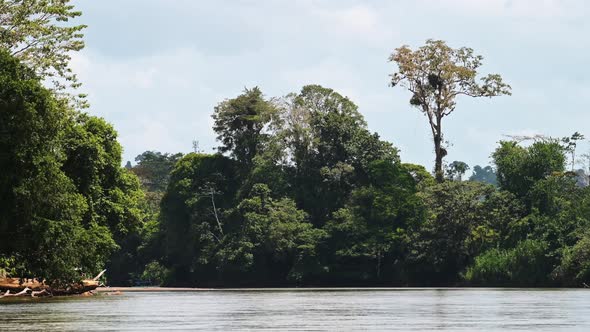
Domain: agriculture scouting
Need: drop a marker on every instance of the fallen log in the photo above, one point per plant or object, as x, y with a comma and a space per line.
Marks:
24, 292
41, 293
39, 287
99, 275
18, 284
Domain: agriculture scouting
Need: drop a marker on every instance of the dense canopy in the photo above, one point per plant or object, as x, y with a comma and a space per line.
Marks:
299, 192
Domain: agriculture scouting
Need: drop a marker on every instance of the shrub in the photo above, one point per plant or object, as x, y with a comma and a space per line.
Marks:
526, 264
155, 274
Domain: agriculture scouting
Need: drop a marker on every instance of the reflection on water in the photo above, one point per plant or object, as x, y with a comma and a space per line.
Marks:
303, 310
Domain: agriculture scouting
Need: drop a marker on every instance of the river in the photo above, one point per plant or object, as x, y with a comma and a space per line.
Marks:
306, 310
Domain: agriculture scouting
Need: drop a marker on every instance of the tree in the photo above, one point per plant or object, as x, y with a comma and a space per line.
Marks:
463, 220
571, 143
240, 124
574, 269
112, 193
43, 233
436, 75
456, 170
190, 223
519, 168
327, 141
93, 162
367, 237
38, 32
421, 176
153, 169
274, 244
484, 174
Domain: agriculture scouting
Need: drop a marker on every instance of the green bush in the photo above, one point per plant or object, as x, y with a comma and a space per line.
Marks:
575, 264
526, 264
154, 273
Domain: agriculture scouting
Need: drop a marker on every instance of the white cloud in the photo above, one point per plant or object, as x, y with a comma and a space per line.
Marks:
329, 73
513, 8
358, 21
156, 102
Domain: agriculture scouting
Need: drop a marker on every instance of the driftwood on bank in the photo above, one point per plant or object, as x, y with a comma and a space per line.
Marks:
17, 287
24, 292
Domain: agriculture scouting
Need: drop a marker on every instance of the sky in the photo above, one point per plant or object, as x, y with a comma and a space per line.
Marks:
156, 69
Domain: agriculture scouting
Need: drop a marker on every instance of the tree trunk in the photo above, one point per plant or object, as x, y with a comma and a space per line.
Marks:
378, 264
215, 212
438, 151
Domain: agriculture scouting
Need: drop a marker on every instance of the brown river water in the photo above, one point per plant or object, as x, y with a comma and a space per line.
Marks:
307, 310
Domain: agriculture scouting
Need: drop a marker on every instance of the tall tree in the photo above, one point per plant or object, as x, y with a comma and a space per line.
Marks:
39, 33
436, 75
42, 228
112, 193
93, 162
327, 141
240, 124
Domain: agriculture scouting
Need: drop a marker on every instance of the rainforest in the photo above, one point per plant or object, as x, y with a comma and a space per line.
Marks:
299, 191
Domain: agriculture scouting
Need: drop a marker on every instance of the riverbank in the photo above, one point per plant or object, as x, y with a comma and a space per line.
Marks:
309, 289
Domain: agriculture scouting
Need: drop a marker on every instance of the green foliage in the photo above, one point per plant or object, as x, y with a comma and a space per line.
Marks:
545, 246
519, 168
276, 239
153, 169
193, 217
113, 194
93, 162
138, 232
69, 208
574, 269
39, 34
484, 174
498, 218
240, 123
154, 274
327, 141
42, 228
368, 236
524, 265
456, 170
439, 247
421, 176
